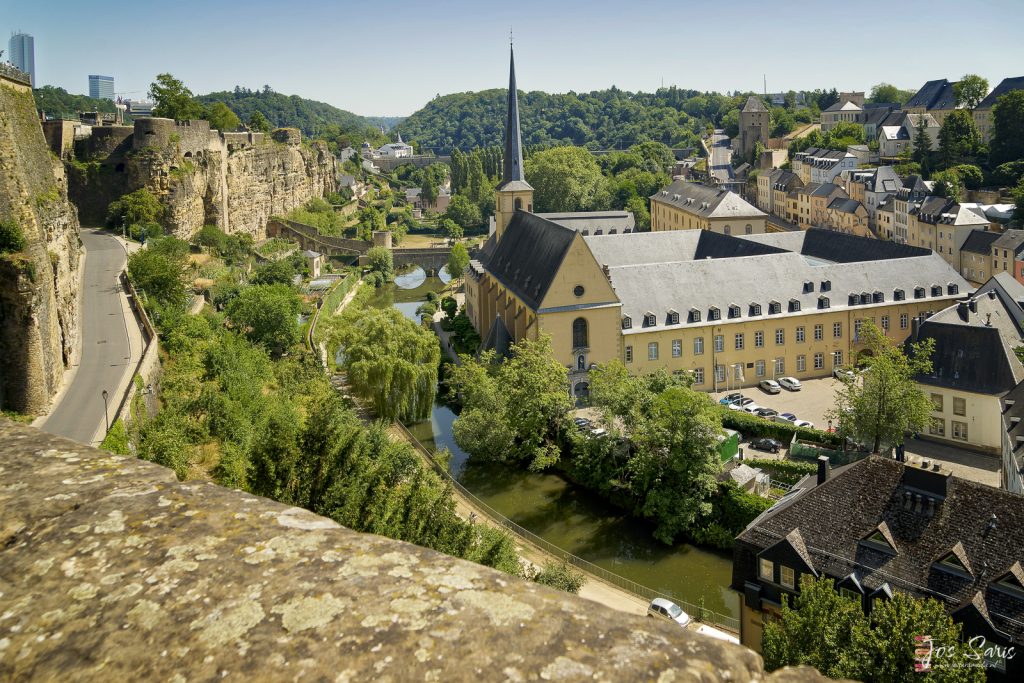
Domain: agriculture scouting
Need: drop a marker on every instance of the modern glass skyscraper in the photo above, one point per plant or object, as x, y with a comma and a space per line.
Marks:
22, 51
101, 86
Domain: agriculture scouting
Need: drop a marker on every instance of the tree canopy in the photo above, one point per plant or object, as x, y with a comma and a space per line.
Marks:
458, 260
566, 179
1008, 128
970, 90
58, 101
222, 118
889, 93
172, 99
161, 271
958, 138
267, 315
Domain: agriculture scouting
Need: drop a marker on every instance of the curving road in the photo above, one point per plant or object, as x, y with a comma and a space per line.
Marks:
106, 350
720, 166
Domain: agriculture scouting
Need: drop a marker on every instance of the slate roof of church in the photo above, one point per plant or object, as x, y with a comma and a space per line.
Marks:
710, 202
528, 256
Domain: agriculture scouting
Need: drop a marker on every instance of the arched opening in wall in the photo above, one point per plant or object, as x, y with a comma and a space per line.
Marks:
579, 333
119, 168
518, 204
149, 132
582, 392
581, 362
188, 155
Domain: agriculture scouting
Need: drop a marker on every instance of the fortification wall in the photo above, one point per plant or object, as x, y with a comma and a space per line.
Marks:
107, 140
112, 567
39, 284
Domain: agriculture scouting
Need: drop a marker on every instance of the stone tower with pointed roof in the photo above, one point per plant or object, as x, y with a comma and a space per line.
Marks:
754, 126
513, 192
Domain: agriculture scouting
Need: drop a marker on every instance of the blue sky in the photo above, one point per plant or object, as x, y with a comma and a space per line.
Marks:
390, 58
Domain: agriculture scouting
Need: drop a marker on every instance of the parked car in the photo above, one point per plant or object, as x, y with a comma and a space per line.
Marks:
785, 417
769, 386
730, 398
581, 422
741, 404
766, 444
791, 383
805, 424
666, 609
844, 374
766, 413
751, 407
600, 431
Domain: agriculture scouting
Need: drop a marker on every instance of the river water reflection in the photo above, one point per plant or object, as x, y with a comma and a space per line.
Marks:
567, 515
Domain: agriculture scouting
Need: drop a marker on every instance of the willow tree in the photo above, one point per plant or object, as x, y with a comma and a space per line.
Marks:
390, 361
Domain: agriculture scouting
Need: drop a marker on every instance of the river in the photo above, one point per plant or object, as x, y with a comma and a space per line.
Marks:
565, 514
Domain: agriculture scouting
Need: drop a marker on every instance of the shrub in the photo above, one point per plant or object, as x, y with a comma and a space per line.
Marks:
786, 471
12, 238
751, 426
559, 575
116, 440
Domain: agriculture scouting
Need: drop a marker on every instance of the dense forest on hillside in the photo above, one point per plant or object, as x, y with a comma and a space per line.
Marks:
314, 118
604, 119
58, 101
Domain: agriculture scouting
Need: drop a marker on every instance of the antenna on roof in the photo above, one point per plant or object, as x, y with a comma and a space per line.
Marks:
766, 85
510, 35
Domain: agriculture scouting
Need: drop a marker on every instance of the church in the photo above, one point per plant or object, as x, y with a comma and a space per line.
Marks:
729, 309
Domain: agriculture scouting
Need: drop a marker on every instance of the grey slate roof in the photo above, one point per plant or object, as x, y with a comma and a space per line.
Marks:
592, 221
844, 106
845, 205
833, 518
1011, 240
528, 256
691, 269
512, 162
1006, 85
980, 242
711, 202
754, 104
498, 339
936, 94
884, 179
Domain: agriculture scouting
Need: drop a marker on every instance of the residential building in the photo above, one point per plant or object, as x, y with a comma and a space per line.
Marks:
414, 196
895, 140
101, 87
841, 112
874, 115
139, 108
811, 203
783, 185
872, 187
884, 219
689, 206
937, 98
857, 97
394, 150
774, 185
976, 256
905, 200
983, 112
817, 165
1007, 255
878, 527
21, 50
849, 216
755, 120
974, 365
943, 225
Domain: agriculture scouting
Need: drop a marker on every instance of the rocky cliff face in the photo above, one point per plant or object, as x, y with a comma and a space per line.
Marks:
234, 186
39, 297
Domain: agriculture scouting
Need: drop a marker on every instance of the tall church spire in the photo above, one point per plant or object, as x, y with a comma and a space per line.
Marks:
513, 162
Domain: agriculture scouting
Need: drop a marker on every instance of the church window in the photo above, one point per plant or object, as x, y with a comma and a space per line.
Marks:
579, 333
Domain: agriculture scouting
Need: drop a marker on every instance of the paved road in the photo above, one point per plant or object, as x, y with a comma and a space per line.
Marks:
721, 154
106, 355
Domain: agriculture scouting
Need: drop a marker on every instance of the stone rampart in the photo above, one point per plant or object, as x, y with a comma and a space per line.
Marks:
113, 570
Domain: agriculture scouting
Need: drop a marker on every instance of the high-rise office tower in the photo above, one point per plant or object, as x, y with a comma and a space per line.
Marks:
22, 51
101, 86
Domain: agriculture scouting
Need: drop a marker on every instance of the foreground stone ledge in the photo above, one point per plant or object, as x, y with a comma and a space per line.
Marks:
110, 569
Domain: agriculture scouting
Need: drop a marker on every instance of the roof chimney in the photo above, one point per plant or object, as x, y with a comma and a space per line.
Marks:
988, 320
823, 469
923, 478
991, 294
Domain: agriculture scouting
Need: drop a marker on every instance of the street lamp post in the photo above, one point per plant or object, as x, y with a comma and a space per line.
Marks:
106, 415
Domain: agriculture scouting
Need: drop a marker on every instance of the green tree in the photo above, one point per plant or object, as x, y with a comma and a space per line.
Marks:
948, 184
464, 212
161, 272
212, 237
140, 206
279, 272
512, 410
922, 148
259, 122
731, 122
428, 190
458, 260
451, 229
958, 137
371, 220
970, 175
221, 118
12, 237
1008, 128
970, 90
884, 402
267, 315
381, 260
559, 575
887, 92
1018, 198
173, 100
566, 179
390, 361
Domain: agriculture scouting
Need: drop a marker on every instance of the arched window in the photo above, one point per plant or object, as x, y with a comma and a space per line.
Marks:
519, 203
579, 333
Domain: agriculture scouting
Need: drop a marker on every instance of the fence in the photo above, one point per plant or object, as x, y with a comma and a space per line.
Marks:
698, 612
150, 353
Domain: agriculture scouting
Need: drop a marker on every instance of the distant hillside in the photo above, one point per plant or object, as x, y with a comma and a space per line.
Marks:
57, 101
604, 119
388, 122
289, 110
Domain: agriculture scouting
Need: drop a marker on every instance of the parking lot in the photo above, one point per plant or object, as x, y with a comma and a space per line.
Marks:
811, 403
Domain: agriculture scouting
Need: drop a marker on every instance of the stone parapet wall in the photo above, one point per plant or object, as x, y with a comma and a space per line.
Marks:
111, 569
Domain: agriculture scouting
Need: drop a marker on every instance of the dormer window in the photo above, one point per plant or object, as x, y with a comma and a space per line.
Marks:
854, 298
673, 318
627, 322
755, 309
865, 298
734, 311
955, 562
826, 285
952, 288
774, 307
650, 320
899, 295
714, 313
794, 305
1012, 582
919, 292
694, 315
878, 297
823, 302
936, 290
881, 539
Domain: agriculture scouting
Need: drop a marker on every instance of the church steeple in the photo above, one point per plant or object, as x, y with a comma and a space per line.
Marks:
514, 192
513, 162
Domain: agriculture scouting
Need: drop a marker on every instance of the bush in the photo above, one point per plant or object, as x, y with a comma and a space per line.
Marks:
752, 426
786, 471
732, 509
559, 575
116, 440
381, 261
213, 237
12, 238
1008, 174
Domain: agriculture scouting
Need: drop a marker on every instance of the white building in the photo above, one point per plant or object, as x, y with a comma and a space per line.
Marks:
394, 150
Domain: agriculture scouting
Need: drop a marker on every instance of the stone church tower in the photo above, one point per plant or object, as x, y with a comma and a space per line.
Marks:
513, 192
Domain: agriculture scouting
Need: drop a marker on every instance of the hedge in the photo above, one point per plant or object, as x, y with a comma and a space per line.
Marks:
786, 471
752, 426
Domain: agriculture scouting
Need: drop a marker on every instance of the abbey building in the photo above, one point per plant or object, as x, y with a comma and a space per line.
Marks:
731, 309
